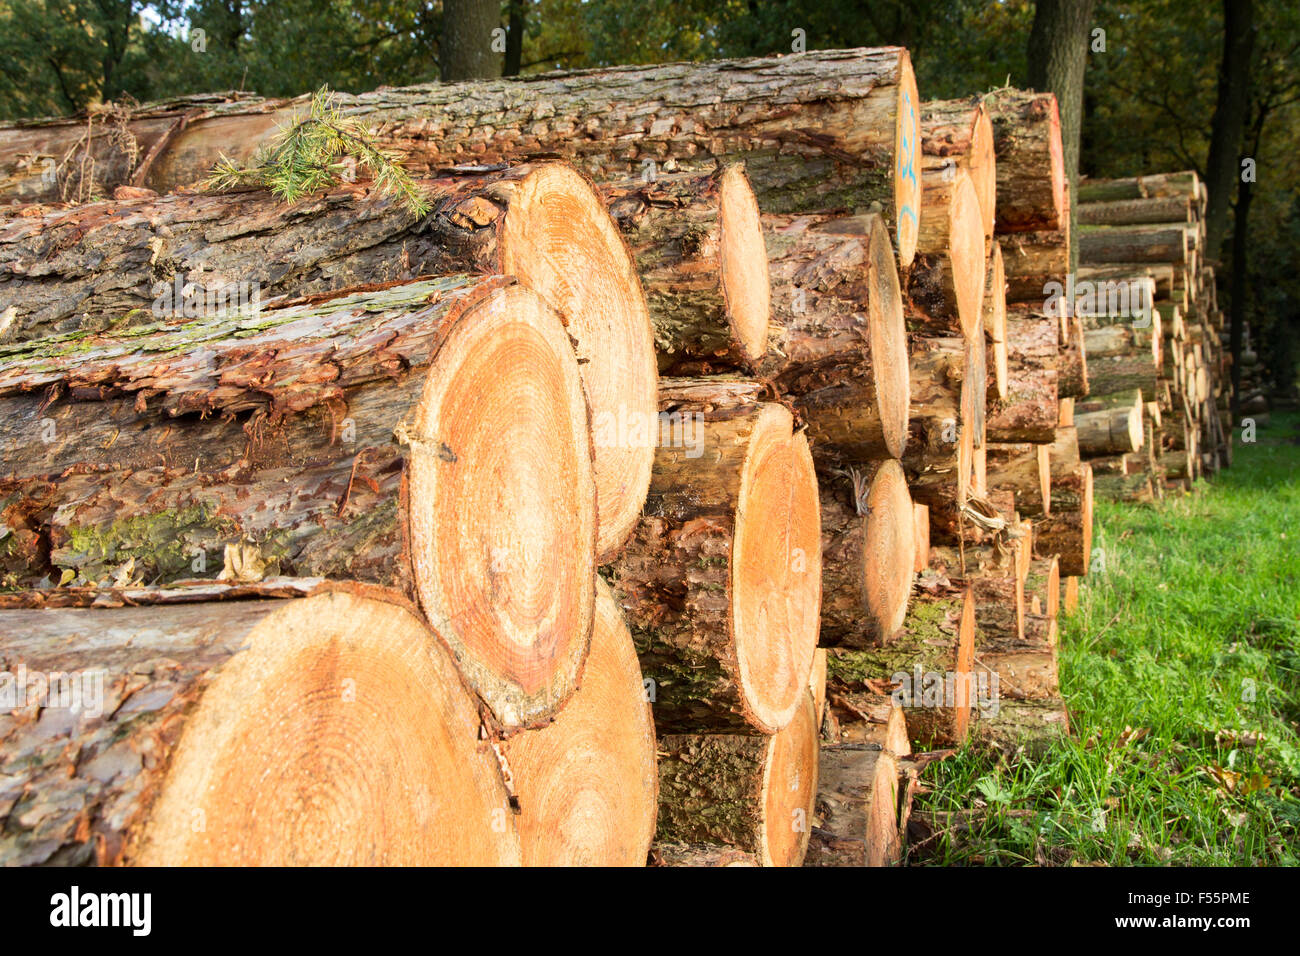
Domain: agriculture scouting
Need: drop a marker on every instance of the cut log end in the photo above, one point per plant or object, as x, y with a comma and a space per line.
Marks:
502, 504
559, 241
776, 570
983, 169
907, 168
587, 784
789, 788
743, 258
887, 335
328, 730
966, 254
889, 549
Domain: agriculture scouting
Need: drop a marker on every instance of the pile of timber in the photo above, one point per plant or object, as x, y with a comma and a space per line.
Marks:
717, 442
1160, 413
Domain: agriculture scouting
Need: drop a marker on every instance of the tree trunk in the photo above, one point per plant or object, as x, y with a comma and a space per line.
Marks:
465, 51
837, 323
698, 244
89, 266
754, 793
721, 580
1058, 58
1229, 121
599, 751
349, 437
837, 129
1110, 424
277, 733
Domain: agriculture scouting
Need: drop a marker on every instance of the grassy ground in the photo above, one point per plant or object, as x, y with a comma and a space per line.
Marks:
1182, 675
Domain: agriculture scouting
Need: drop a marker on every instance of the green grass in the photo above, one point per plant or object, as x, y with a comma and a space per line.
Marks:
1182, 674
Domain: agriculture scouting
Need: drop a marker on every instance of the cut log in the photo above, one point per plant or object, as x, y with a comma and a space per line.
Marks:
995, 322
956, 135
838, 128
359, 437
856, 815
90, 266
1067, 533
1138, 244
1028, 727
1030, 410
753, 793
931, 662
1070, 600
698, 245
1065, 451
1035, 264
1109, 374
1017, 668
837, 323
992, 573
1024, 469
1140, 187
1130, 488
586, 786
868, 549
1112, 427
940, 447
721, 581
945, 285
1126, 212
330, 730
1032, 187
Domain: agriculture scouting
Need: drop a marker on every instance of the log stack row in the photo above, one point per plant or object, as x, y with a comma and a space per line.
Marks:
672, 491
1154, 334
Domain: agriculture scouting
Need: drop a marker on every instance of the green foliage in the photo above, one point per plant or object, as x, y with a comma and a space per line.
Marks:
306, 157
1182, 674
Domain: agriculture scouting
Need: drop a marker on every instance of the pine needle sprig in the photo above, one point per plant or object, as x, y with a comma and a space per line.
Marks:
307, 156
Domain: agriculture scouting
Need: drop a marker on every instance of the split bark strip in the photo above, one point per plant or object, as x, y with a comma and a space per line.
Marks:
332, 730
698, 245
754, 793
868, 546
1031, 190
838, 342
721, 581
921, 536
586, 786
351, 437
935, 651
543, 223
827, 129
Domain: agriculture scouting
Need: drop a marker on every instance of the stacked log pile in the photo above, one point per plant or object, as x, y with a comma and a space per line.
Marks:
695, 459
1155, 329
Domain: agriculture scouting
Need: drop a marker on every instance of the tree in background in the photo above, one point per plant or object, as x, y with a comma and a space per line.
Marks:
466, 51
1221, 174
1058, 58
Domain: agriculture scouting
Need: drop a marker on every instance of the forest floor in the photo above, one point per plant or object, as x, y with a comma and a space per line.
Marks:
1181, 671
